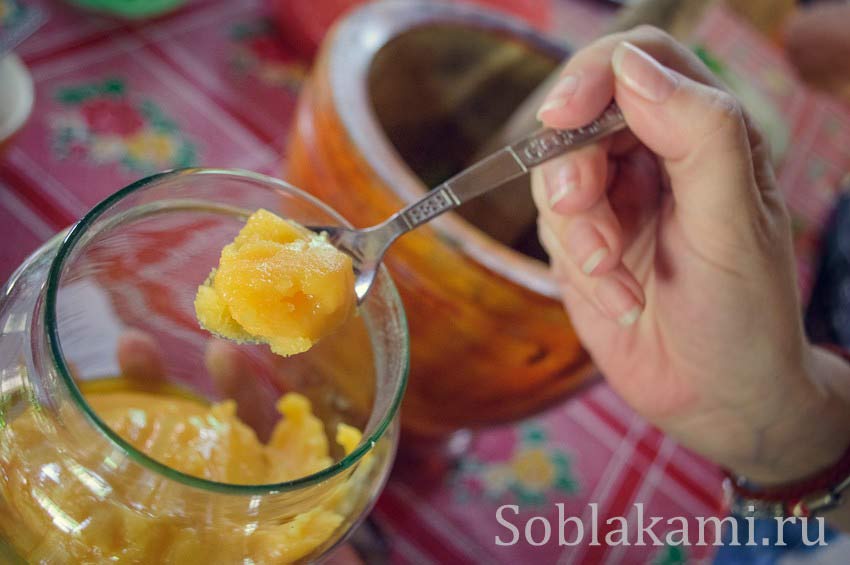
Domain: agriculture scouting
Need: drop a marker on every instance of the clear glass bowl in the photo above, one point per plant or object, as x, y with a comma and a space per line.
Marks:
73, 316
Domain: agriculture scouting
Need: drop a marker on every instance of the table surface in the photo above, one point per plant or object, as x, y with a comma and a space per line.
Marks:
213, 87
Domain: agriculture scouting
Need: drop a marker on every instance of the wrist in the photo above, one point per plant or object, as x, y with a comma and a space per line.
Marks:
812, 430
813, 495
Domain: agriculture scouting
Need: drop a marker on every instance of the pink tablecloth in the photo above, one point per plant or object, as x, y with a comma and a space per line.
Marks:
211, 86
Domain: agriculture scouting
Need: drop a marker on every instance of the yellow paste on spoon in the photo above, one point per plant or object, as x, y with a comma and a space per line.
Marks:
277, 283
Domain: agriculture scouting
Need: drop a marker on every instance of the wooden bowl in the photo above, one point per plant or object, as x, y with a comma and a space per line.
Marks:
401, 97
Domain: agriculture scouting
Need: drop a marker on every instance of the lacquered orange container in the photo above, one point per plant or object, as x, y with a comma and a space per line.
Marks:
398, 99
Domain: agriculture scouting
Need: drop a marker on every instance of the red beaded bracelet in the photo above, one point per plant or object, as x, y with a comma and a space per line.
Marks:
815, 493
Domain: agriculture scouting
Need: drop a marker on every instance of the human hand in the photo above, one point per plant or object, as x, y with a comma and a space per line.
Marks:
672, 247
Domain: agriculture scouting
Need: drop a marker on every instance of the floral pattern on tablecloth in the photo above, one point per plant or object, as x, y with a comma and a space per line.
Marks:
671, 555
258, 51
211, 71
11, 13
527, 470
101, 122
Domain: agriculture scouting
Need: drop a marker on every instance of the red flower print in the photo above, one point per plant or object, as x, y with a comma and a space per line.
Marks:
77, 151
111, 116
267, 48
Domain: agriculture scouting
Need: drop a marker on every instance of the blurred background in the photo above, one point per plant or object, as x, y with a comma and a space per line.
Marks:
365, 105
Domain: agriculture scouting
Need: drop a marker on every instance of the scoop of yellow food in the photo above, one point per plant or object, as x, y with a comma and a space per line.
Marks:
277, 283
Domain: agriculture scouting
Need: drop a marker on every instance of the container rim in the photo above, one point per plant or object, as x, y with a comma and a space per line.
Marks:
69, 243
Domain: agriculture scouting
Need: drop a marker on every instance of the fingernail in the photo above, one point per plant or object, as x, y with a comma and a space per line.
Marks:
593, 261
588, 246
548, 239
630, 317
560, 94
618, 301
641, 73
223, 361
139, 356
565, 182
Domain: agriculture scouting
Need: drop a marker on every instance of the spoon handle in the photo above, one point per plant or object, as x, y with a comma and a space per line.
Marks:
507, 164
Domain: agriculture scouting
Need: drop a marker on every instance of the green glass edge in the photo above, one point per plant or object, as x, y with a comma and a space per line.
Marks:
54, 275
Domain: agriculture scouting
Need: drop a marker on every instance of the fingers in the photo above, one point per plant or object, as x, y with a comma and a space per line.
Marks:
139, 357
580, 94
577, 182
583, 218
616, 295
674, 106
587, 84
582, 235
698, 131
585, 247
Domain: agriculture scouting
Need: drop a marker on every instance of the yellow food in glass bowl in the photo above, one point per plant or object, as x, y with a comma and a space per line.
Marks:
210, 442
199, 439
277, 283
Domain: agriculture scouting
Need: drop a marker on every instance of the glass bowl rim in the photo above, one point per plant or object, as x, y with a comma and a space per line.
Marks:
72, 237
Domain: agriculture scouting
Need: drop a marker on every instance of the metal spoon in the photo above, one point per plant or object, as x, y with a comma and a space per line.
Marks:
367, 246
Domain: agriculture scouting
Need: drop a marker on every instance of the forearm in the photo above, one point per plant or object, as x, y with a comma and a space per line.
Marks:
815, 433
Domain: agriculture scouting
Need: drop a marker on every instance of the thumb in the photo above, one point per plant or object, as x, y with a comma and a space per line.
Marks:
698, 131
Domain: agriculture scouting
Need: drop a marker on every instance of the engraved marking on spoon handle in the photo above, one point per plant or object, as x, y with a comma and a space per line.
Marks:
438, 201
549, 143
504, 165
